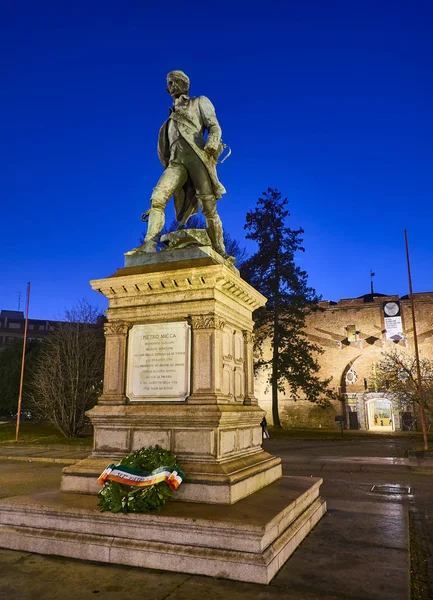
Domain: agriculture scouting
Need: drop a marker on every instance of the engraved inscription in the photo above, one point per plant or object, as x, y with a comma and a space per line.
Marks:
159, 362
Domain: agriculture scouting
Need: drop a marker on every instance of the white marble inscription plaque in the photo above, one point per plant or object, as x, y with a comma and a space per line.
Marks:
158, 366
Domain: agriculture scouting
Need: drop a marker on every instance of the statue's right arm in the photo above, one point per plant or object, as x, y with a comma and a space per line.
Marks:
210, 121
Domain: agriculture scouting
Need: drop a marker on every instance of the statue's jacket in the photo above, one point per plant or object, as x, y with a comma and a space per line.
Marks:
193, 117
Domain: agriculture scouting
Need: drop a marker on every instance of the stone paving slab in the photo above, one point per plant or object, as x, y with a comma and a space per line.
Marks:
370, 460
356, 553
377, 468
31, 577
60, 461
61, 447
59, 454
371, 464
23, 451
370, 523
220, 589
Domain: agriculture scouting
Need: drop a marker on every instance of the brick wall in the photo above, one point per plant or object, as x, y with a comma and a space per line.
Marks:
352, 335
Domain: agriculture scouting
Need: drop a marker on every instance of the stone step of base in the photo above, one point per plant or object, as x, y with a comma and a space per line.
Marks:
249, 541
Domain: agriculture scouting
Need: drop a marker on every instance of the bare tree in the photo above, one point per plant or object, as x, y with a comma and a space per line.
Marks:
68, 377
397, 374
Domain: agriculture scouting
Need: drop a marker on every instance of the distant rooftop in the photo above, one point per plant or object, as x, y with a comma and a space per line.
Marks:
371, 296
419, 295
375, 298
12, 314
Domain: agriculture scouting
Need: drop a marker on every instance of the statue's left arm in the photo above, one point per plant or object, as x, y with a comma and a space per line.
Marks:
210, 121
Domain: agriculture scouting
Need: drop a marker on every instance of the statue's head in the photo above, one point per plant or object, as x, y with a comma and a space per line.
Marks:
177, 83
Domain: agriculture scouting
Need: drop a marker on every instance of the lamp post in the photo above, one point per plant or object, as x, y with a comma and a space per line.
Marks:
23, 360
415, 339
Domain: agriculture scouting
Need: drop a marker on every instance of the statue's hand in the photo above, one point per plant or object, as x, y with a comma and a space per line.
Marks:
145, 216
212, 146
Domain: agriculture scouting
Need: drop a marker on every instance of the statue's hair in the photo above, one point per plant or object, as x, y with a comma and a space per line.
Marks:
179, 75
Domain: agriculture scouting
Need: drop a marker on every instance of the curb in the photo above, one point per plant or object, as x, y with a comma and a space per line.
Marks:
59, 461
422, 471
61, 448
428, 454
342, 467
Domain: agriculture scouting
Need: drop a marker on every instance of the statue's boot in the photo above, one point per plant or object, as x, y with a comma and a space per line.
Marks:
156, 220
215, 232
214, 226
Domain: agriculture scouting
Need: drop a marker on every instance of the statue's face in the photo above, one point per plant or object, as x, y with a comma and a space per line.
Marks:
176, 87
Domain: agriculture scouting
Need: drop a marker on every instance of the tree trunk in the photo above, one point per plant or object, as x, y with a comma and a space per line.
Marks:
274, 381
275, 413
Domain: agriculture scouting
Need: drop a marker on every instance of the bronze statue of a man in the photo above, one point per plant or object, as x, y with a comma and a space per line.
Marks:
190, 165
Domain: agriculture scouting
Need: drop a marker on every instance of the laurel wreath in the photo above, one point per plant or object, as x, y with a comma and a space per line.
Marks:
117, 497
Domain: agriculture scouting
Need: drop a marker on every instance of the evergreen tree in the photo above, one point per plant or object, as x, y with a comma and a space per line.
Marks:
10, 373
281, 323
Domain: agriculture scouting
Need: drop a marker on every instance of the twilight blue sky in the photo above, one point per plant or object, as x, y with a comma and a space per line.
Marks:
330, 102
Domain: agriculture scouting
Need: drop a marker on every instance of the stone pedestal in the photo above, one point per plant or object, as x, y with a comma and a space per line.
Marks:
247, 541
215, 432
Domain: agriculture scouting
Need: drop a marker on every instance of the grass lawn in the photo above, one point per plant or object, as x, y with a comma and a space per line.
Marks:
39, 433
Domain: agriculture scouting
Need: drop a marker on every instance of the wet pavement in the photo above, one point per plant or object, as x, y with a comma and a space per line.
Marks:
358, 551
65, 455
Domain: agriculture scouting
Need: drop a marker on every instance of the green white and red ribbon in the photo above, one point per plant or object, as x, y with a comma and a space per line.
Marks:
137, 478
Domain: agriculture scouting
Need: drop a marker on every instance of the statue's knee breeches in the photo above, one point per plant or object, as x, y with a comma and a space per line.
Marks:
160, 197
208, 206
170, 182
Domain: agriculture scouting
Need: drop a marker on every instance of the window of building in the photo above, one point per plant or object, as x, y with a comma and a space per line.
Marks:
14, 325
351, 333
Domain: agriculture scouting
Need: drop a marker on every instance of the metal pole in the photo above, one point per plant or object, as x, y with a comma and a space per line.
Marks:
20, 397
415, 339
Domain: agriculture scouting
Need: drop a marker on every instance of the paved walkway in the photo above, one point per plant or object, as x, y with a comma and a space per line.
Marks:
68, 455
63, 455
369, 464
358, 551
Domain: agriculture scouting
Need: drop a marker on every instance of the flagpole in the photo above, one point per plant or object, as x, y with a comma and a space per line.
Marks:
415, 339
371, 282
23, 360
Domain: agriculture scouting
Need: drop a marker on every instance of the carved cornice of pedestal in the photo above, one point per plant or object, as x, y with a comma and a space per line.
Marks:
174, 283
116, 328
209, 321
